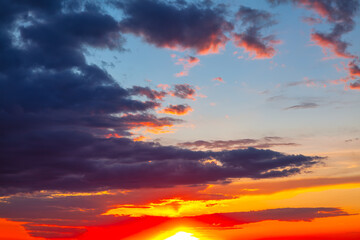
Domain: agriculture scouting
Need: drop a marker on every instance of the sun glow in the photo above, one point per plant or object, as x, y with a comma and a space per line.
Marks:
180, 233
182, 236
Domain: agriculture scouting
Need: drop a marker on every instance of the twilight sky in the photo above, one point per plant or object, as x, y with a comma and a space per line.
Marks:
191, 120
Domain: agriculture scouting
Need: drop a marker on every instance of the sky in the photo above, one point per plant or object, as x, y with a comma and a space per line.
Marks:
169, 120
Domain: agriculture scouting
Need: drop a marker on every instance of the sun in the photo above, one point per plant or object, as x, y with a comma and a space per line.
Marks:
182, 236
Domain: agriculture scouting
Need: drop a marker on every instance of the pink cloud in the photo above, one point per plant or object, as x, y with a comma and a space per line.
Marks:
187, 62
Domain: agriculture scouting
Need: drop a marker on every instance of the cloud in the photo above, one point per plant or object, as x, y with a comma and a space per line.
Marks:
302, 106
230, 220
219, 79
269, 187
199, 27
219, 145
354, 69
80, 209
163, 86
180, 109
252, 40
332, 42
148, 92
187, 62
233, 219
352, 140
77, 161
324, 236
340, 14
311, 20
353, 74
184, 91
355, 85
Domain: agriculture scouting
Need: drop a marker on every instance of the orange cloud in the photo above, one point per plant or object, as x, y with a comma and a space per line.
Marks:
140, 138
334, 44
354, 69
113, 135
180, 109
355, 85
160, 130
257, 49
353, 73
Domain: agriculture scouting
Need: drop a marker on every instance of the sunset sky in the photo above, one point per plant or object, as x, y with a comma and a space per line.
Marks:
180, 120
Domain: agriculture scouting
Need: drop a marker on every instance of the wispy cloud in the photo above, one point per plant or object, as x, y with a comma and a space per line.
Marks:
302, 106
219, 145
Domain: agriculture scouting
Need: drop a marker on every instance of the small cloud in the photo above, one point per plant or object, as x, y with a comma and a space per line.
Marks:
302, 106
355, 85
180, 109
184, 91
352, 140
163, 86
187, 62
148, 92
219, 79
311, 20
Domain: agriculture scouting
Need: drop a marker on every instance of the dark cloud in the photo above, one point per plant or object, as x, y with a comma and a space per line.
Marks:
55, 113
46, 84
252, 39
340, 14
218, 145
324, 236
200, 27
75, 161
234, 219
303, 106
184, 91
148, 92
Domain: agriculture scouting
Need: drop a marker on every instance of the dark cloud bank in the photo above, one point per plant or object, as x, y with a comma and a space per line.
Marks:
56, 109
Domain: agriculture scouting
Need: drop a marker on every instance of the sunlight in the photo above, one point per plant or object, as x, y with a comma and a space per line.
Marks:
182, 236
